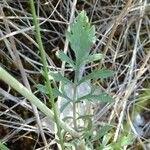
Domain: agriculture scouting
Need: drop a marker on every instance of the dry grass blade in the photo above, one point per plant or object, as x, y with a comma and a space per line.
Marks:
123, 36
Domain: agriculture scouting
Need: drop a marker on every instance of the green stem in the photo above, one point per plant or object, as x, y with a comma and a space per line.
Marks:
45, 65
75, 97
74, 108
11, 81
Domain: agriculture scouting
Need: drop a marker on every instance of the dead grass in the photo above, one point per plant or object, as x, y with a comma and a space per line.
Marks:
123, 35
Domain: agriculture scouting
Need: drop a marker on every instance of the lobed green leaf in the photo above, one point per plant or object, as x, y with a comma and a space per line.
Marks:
61, 55
57, 76
81, 37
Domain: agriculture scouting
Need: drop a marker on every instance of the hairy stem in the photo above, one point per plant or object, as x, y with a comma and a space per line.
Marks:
74, 107
45, 69
75, 96
10, 80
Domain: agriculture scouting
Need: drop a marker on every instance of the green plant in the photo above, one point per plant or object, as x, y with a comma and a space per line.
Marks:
81, 38
3, 147
122, 143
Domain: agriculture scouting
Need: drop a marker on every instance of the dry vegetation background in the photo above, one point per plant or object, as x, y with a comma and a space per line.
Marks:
123, 35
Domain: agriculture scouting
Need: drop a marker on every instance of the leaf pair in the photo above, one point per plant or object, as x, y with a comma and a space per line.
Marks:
90, 58
96, 74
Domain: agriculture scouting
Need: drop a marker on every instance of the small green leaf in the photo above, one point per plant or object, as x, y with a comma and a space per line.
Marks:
64, 105
88, 131
103, 97
96, 74
108, 147
57, 76
64, 57
42, 88
3, 147
56, 92
126, 140
123, 141
106, 138
101, 133
94, 57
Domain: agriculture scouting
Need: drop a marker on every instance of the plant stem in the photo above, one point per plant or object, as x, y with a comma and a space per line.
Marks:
45, 65
74, 107
11, 81
75, 97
